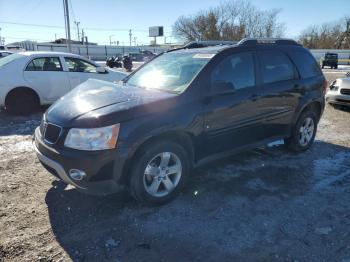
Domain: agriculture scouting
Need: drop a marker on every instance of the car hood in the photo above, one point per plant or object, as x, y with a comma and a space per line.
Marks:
96, 98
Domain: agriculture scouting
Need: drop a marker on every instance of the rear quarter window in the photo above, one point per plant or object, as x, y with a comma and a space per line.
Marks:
306, 64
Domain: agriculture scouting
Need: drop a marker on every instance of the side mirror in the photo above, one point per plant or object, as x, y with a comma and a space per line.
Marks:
101, 70
221, 87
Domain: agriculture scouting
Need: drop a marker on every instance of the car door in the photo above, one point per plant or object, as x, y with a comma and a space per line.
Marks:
80, 70
277, 97
232, 118
46, 76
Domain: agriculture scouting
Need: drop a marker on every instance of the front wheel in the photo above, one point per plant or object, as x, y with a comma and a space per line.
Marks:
304, 132
159, 172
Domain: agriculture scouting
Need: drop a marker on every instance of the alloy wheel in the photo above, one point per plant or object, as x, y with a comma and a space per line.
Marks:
306, 131
162, 174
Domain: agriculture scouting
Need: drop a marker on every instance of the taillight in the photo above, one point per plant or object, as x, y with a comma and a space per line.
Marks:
325, 85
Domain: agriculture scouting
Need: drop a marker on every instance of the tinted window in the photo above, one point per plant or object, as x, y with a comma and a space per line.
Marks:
237, 69
275, 67
78, 65
45, 64
306, 64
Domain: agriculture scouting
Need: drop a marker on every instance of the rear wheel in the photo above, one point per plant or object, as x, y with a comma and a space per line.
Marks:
159, 172
22, 102
304, 132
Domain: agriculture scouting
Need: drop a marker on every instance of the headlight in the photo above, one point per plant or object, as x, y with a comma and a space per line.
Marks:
333, 86
93, 138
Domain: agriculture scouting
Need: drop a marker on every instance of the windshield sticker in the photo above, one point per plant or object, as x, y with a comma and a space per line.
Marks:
204, 56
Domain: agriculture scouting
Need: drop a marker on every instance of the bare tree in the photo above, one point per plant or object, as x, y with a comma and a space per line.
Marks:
335, 35
230, 20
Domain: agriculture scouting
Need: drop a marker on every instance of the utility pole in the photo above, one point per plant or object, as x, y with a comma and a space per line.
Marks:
130, 35
83, 36
77, 24
110, 39
67, 24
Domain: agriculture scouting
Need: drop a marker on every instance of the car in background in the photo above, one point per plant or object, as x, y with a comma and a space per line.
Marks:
331, 60
142, 56
339, 92
30, 79
180, 110
4, 53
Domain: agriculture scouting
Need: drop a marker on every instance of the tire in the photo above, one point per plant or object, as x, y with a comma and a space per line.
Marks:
336, 66
149, 182
23, 102
302, 138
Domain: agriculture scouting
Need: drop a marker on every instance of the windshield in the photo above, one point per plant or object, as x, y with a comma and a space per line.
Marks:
171, 72
9, 58
332, 56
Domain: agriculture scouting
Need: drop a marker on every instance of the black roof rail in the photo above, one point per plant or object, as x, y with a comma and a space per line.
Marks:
206, 43
277, 41
202, 44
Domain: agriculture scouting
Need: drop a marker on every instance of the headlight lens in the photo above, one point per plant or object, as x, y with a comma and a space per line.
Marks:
93, 138
333, 86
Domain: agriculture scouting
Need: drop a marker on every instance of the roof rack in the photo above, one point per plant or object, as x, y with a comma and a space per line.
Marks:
257, 41
199, 44
202, 44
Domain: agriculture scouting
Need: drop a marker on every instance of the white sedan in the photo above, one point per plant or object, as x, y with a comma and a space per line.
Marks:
30, 79
339, 92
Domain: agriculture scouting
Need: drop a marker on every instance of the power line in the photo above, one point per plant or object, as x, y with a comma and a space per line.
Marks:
88, 28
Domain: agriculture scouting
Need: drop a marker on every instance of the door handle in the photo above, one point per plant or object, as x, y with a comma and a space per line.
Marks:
255, 97
299, 88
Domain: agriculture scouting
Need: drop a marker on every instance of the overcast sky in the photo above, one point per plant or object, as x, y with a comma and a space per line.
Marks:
104, 18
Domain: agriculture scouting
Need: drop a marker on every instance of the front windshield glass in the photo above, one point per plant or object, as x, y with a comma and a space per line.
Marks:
9, 58
171, 72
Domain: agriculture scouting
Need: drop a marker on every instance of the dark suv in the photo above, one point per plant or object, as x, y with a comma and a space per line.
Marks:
331, 60
182, 109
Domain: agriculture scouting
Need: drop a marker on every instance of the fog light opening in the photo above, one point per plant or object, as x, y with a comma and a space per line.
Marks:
77, 174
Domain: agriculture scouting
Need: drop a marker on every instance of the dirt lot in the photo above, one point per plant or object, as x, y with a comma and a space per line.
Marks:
263, 205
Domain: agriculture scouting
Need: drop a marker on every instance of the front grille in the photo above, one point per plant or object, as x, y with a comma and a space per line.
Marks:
343, 101
345, 91
51, 132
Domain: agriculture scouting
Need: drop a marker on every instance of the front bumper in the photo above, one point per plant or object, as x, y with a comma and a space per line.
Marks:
337, 98
104, 169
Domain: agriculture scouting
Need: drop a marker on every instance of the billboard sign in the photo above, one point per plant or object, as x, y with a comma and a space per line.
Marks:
155, 31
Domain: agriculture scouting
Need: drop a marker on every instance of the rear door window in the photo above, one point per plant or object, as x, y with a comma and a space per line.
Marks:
306, 64
275, 67
45, 64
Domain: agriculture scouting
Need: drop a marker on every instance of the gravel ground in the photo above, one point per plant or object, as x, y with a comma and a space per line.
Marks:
262, 205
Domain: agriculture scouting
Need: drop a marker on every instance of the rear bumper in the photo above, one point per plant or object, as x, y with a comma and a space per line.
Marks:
103, 169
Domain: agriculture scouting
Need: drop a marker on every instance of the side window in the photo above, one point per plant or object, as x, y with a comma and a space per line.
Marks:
306, 64
45, 64
237, 69
78, 65
275, 67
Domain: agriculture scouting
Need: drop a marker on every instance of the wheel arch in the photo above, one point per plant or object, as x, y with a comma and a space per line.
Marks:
183, 138
22, 89
312, 105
